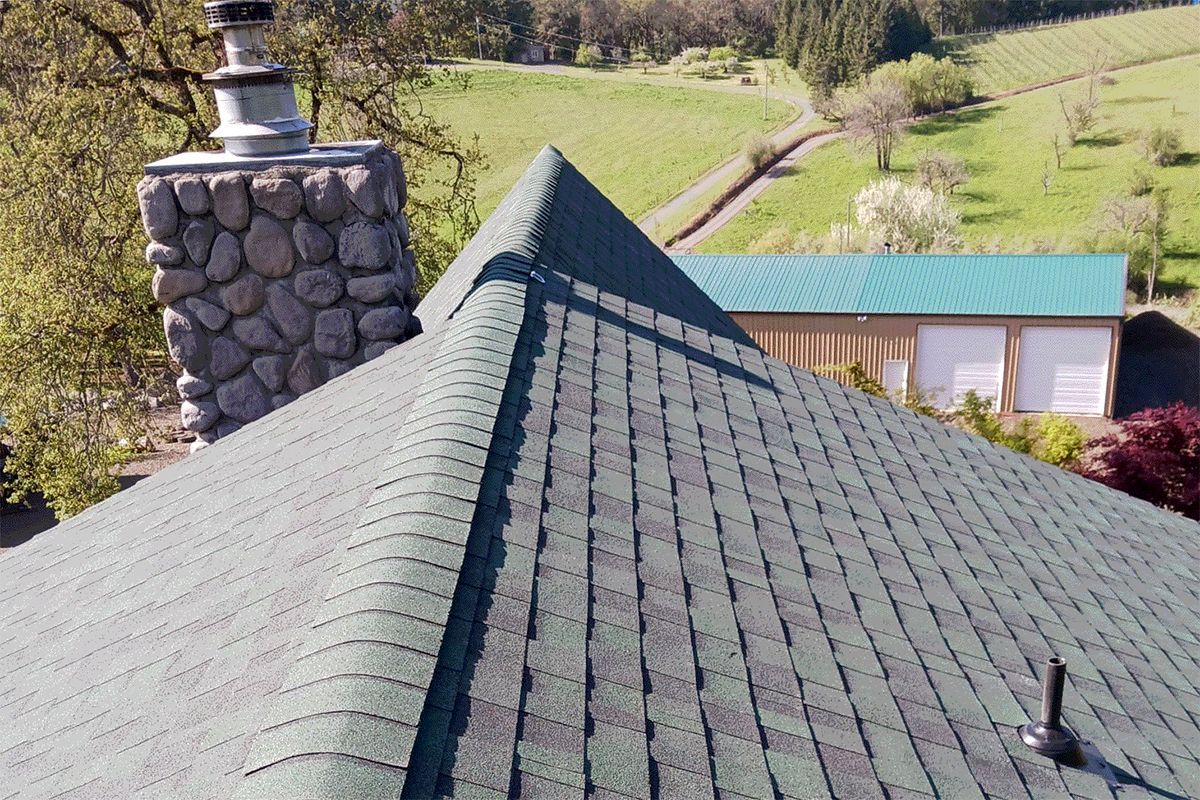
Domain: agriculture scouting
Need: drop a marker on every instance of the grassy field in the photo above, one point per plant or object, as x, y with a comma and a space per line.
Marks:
1005, 145
639, 143
784, 79
1021, 58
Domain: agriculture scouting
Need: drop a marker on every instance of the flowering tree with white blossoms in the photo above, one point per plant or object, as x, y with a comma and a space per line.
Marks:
912, 219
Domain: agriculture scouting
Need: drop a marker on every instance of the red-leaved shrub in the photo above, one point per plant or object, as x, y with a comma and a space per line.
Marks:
1154, 455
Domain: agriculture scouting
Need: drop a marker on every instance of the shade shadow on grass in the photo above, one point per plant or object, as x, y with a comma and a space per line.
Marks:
989, 216
954, 120
977, 196
1137, 99
1109, 138
1170, 287
956, 48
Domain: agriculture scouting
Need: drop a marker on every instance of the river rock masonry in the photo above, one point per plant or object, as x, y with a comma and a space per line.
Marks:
277, 280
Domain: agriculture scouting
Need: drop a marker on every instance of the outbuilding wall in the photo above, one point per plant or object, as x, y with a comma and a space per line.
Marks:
815, 340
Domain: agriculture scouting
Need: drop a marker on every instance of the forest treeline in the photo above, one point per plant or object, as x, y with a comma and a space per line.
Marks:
663, 28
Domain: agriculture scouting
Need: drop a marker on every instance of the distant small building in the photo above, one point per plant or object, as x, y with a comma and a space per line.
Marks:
532, 53
1033, 332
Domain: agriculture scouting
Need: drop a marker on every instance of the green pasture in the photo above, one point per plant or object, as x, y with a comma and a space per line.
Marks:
640, 143
1006, 144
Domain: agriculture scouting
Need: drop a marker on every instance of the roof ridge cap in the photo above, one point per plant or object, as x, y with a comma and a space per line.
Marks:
316, 731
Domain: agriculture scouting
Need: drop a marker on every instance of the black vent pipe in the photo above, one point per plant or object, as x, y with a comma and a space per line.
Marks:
1047, 736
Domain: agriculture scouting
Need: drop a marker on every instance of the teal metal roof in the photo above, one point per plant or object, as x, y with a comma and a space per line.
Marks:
1089, 285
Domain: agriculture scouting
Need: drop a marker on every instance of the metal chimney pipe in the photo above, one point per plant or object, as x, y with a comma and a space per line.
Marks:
255, 97
1047, 736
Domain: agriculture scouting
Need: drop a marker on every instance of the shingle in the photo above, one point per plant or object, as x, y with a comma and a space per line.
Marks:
795, 766
585, 531
673, 702
682, 749
894, 758
551, 743
850, 774
617, 760
739, 766
675, 782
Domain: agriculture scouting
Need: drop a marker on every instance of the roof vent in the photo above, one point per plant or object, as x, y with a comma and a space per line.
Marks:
255, 97
1047, 736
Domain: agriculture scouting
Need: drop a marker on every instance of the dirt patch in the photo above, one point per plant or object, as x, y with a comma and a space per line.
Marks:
169, 444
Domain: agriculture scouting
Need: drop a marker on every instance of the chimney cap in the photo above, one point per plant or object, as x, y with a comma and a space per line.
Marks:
229, 13
255, 97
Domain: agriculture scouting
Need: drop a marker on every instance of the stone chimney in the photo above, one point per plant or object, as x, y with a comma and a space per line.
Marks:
280, 266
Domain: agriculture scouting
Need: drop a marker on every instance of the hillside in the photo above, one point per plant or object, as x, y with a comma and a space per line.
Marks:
639, 143
1005, 145
1009, 60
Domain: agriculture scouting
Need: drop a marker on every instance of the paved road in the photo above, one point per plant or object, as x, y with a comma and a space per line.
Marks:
750, 193
723, 174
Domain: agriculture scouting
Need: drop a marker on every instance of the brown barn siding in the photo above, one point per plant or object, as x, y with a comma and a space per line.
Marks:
815, 340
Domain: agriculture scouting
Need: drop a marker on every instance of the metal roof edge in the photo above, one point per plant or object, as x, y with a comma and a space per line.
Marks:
343, 723
726, 277
842, 313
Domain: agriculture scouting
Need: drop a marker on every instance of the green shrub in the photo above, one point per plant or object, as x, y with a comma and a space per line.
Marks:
1140, 183
1023, 437
921, 402
643, 60
974, 415
931, 84
589, 55
775, 241
855, 376
1161, 146
722, 54
1136, 247
759, 150
832, 106
1059, 441
1050, 437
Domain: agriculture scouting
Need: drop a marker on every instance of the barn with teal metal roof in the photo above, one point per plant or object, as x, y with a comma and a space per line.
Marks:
1035, 332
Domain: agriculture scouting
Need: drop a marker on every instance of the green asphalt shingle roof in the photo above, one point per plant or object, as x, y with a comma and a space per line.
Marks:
1091, 285
583, 539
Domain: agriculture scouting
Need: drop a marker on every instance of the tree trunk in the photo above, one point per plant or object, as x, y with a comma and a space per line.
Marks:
316, 115
1153, 266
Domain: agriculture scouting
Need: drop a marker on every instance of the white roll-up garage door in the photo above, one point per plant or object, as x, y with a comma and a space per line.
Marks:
953, 359
1063, 369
